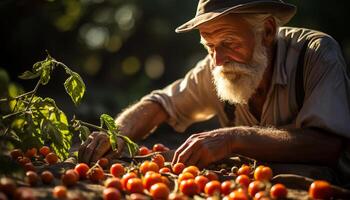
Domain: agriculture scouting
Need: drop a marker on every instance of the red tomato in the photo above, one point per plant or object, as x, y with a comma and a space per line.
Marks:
31, 152
159, 159
114, 183
126, 177
177, 196
16, 153
263, 173
227, 187
134, 185
70, 178
144, 151
159, 191
8, 186
117, 170
212, 176
164, 170
32, 178
47, 177
212, 187
243, 180
82, 170
178, 168
60, 192
29, 167
159, 147
254, 187
201, 181
278, 191
320, 190
44, 150
151, 179
23, 160
51, 158
103, 162
189, 187
111, 194
96, 174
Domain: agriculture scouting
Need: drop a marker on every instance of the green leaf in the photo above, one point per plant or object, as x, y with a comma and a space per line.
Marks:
112, 129
132, 146
84, 133
29, 75
113, 140
108, 121
75, 87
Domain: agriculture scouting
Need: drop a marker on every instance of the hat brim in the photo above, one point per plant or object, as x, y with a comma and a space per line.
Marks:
283, 11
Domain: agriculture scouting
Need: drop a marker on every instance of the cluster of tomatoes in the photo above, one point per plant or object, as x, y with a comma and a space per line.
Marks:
153, 178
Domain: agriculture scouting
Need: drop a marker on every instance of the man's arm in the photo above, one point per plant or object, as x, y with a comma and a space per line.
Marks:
265, 144
135, 122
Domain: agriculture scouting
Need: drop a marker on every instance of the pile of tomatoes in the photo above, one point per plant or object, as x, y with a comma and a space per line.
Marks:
150, 179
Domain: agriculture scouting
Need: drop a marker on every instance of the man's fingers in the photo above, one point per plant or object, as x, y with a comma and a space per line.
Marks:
89, 151
82, 148
102, 147
194, 158
178, 152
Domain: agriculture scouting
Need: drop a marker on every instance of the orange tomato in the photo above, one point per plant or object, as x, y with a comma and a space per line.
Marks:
134, 185
254, 187
117, 170
212, 187
44, 150
189, 187
151, 179
278, 191
82, 170
148, 166
263, 173
320, 189
243, 180
244, 169
192, 169
227, 187
60, 192
159, 159
111, 194
159, 191
51, 158
114, 183
185, 176
47, 177
178, 168
201, 181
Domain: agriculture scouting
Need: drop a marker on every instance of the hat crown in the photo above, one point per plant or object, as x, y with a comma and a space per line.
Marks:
205, 6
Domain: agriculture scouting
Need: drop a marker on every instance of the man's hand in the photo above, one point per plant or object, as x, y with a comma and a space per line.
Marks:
204, 148
96, 146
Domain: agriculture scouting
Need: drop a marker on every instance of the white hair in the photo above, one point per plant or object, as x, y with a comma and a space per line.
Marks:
257, 21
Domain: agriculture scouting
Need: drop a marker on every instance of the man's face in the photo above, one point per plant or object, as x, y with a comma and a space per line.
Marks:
239, 57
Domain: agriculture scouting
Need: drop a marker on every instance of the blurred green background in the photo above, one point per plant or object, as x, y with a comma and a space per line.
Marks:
123, 49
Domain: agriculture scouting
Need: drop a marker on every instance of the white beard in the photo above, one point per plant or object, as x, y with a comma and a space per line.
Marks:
236, 82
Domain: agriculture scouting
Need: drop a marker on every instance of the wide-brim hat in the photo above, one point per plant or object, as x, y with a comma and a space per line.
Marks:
210, 9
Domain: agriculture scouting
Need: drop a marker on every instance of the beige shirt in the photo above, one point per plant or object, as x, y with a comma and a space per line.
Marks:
327, 94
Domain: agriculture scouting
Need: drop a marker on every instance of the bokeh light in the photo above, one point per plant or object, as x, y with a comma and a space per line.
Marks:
154, 67
131, 65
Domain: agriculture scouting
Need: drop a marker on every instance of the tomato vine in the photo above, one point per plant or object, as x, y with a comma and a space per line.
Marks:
36, 121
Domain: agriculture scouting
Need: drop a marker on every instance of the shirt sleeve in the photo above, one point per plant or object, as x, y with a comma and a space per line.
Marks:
190, 99
326, 103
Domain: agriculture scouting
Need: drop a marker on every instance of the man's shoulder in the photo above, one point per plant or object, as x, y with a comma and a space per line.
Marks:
299, 35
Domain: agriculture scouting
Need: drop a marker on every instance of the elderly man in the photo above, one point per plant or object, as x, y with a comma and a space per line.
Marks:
280, 93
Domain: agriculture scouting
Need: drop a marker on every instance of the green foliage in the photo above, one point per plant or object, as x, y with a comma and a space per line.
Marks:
75, 87
114, 133
35, 121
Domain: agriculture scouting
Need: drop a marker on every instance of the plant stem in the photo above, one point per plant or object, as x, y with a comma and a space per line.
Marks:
34, 91
13, 114
92, 126
17, 97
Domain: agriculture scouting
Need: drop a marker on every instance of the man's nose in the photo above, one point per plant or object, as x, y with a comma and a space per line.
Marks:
219, 57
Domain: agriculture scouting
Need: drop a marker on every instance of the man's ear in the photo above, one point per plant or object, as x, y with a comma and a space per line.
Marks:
269, 33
